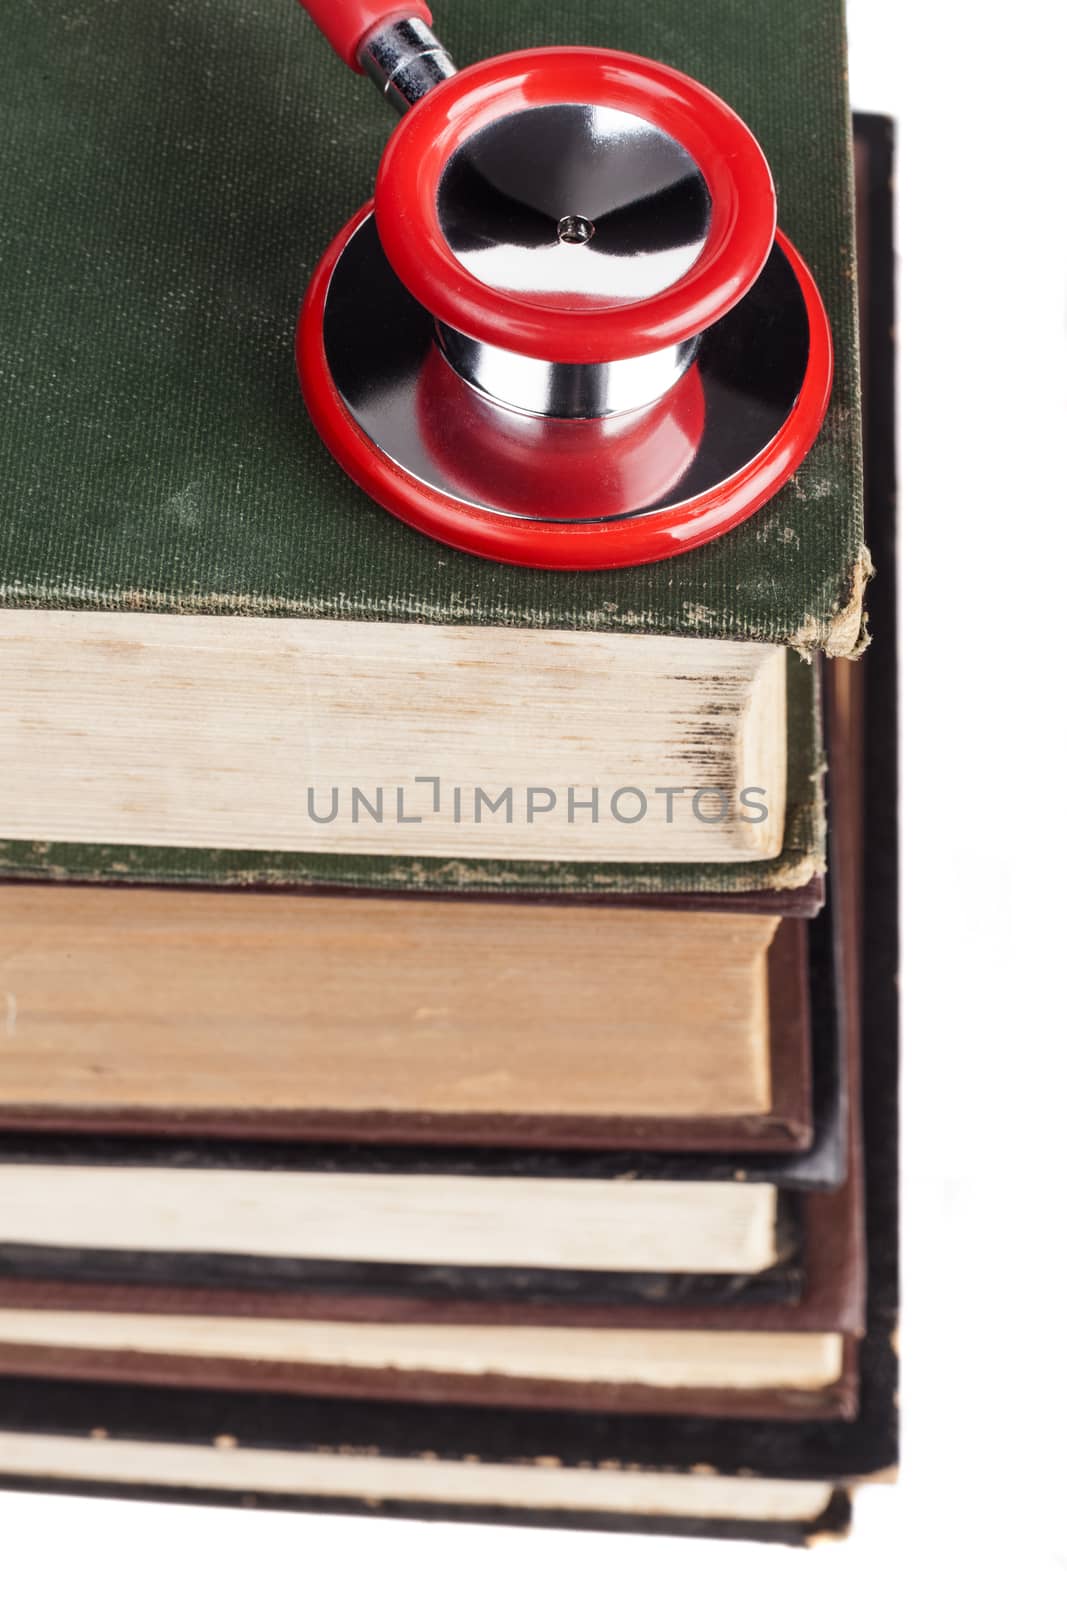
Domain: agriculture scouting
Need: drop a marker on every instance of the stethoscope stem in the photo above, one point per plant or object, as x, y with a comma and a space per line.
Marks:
564, 390
405, 59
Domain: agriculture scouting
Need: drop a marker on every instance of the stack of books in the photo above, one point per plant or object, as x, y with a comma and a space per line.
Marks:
447, 1017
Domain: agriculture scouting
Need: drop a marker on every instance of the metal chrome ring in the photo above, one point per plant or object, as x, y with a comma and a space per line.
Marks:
561, 389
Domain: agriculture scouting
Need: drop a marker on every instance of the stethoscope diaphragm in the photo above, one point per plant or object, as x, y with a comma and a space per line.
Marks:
566, 333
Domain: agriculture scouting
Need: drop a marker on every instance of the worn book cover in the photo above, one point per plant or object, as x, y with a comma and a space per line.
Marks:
168, 181
156, 456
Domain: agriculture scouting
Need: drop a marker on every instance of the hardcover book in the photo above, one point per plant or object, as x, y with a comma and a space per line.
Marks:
174, 1013
210, 616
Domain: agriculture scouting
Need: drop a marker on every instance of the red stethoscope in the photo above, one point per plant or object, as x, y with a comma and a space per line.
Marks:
566, 332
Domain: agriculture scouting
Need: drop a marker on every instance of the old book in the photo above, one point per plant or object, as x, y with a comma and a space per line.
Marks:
173, 1012
381, 755
678, 1371
379, 1224
179, 473
203, 608
161, 1444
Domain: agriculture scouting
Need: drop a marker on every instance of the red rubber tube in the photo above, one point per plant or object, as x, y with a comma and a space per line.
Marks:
346, 23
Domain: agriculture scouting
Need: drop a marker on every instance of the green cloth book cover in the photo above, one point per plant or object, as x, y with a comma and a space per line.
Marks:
169, 178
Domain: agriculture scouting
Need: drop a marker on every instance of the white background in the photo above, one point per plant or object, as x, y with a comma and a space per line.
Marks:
978, 91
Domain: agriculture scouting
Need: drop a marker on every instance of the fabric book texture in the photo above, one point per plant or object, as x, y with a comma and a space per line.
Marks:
167, 183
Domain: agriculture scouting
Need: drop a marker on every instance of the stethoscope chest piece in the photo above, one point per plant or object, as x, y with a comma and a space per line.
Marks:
566, 332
